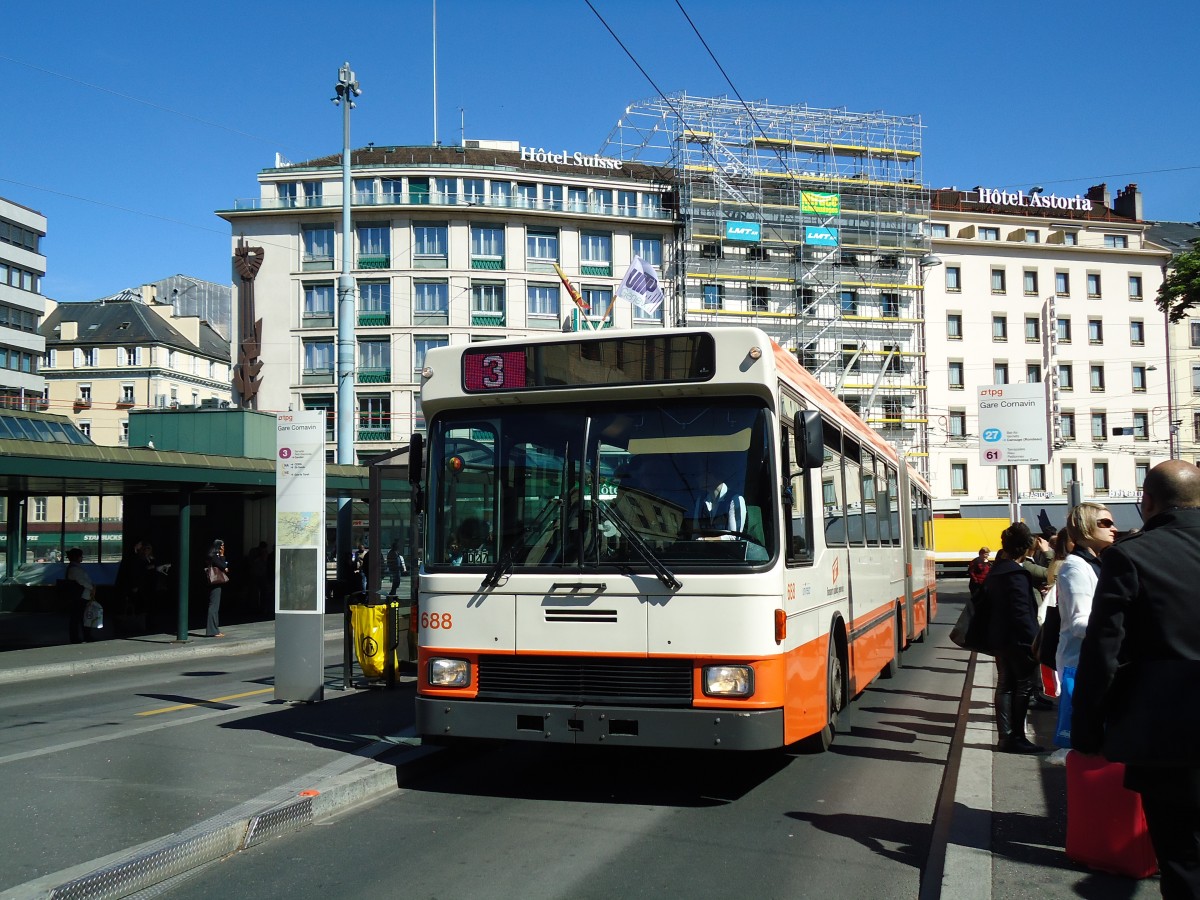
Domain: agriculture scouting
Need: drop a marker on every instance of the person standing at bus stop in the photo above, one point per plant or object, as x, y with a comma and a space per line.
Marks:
216, 567
1139, 666
978, 570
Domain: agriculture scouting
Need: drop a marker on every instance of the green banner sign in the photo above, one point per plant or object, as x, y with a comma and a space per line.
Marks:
819, 203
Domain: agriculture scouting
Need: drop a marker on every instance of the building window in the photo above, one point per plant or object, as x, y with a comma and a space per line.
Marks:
1116, 242
38, 512
651, 205
1139, 378
598, 302
1141, 426
1002, 481
595, 252
318, 301
323, 403
1033, 373
418, 413
649, 248
958, 478
1066, 377
430, 241
473, 192
1070, 474
1037, 478
1196, 379
714, 296
445, 190
431, 298
527, 195
487, 303
1032, 236
85, 395
375, 302
1067, 422
1137, 332
1141, 468
1070, 238
317, 250
422, 345
1033, 330
1062, 284
501, 194
1093, 285
999, 285
487, 247
1194, 332
958, 424
955, 371
374, 418
1100, 477
759, 298
374, 246
1096, 376
890, 305
541, 244
954, 326
127, 396
989, 233
374, 362
1135, 287
953, 279
849, 303
1099, 426
1031, 282
318, 362
939, 230
1000, 373
1064, 330
999, 327
83, 507
1095, 331
543, 300
627, 203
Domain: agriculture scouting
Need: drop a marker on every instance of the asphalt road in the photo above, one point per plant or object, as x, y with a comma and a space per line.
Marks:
532, 821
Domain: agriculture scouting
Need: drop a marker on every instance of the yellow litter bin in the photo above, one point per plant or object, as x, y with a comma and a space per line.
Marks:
371, 636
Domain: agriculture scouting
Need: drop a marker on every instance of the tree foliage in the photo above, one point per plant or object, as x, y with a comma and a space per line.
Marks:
1180, 291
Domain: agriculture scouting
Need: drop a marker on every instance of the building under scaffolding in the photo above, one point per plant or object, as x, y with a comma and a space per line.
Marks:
812, 225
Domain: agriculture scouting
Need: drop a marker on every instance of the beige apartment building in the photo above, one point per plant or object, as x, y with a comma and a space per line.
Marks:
450, 245
1059, 290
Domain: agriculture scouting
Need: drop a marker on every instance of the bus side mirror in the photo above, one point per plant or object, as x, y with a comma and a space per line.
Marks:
810, 446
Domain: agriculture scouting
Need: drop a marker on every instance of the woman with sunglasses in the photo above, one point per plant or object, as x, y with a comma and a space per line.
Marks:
1091, 528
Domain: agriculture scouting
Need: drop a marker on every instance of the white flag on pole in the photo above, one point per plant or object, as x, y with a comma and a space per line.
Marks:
641, 288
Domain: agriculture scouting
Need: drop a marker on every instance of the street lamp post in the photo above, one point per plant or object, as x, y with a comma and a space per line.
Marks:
1172, 425
346, 90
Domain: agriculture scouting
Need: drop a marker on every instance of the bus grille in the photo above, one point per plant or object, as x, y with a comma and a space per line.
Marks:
570, 679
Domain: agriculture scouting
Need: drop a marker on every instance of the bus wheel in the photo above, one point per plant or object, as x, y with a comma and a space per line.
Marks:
895, 663
836, 693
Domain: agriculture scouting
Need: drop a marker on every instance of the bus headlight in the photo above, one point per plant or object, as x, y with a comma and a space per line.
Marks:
728, 681
449, 673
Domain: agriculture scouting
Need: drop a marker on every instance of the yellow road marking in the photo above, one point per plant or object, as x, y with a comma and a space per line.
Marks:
166, 709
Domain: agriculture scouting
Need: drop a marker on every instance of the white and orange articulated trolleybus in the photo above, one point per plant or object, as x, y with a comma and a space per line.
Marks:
675, 538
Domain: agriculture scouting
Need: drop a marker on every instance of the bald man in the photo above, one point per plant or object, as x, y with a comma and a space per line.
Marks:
1146, 616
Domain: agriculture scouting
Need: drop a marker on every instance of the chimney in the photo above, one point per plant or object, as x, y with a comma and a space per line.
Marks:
68, 331
1099, 195
1129, 203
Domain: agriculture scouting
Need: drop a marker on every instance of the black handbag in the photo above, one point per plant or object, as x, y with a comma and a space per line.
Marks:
971, 630
1046, 646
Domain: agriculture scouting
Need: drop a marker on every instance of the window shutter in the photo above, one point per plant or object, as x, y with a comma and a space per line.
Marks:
122, 356
78, 357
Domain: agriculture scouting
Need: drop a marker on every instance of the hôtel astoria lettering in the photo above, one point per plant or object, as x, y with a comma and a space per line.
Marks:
540, 154
1033, 201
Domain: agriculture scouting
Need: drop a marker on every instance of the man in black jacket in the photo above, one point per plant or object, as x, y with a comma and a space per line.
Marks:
1145, 617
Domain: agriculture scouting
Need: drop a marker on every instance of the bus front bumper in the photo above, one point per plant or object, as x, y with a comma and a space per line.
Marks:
717, 729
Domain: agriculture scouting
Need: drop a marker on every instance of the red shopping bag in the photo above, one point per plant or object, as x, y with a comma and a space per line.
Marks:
1106, 827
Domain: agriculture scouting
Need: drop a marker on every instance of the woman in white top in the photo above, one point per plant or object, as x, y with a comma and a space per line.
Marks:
1090, 526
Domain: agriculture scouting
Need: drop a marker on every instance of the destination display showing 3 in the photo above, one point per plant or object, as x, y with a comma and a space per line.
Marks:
568, 364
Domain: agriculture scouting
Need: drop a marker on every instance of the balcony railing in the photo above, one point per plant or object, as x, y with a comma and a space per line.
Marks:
373, 317
374, 374
374, 433
375, 261
420, 198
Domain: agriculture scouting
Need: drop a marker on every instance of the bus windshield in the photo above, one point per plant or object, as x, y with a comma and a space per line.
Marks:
632, 486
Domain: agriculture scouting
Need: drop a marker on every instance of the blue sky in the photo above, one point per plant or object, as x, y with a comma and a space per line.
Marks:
128, 123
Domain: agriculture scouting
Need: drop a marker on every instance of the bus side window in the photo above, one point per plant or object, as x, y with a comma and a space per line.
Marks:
831, 488
798, 518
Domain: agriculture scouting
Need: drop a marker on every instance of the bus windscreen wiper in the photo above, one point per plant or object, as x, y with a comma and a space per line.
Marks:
665, 575
532, 533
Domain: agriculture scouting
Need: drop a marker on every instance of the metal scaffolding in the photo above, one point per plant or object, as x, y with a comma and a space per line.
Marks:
811, 224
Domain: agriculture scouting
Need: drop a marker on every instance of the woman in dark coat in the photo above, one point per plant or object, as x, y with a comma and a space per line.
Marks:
216, 560
1012, 628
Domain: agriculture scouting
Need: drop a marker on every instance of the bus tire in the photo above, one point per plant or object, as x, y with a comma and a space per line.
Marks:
835, 703
896, 662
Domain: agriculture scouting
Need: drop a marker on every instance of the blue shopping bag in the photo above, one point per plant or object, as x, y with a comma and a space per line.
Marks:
1062, 734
